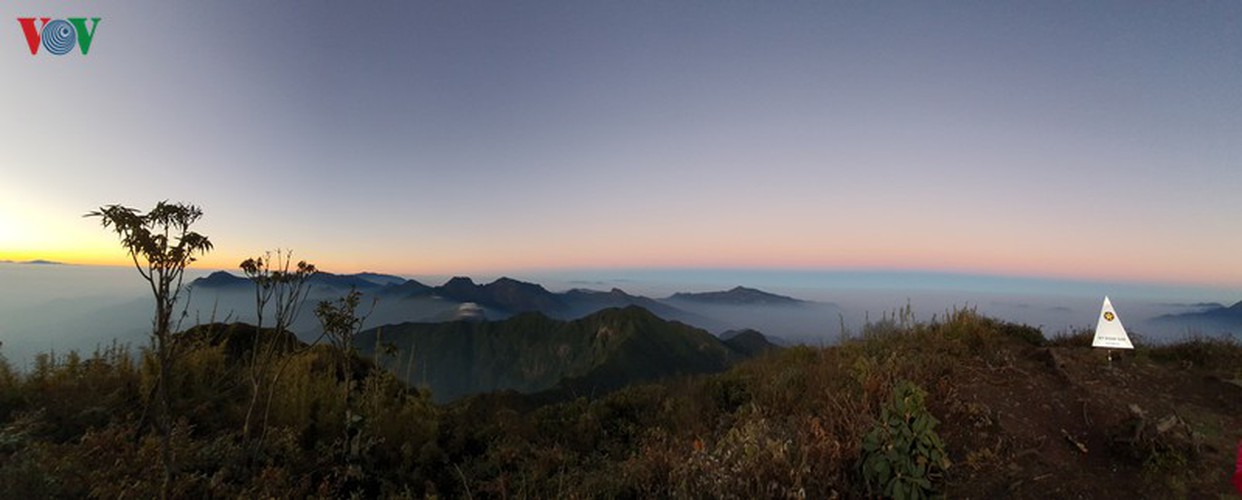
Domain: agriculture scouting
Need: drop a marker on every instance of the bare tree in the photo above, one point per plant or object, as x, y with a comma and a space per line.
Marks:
161, 245
275, 279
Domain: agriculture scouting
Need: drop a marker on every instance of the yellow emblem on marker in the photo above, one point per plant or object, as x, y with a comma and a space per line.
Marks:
1109, 316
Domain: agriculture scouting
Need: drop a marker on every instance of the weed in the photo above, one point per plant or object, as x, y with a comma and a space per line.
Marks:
903, 457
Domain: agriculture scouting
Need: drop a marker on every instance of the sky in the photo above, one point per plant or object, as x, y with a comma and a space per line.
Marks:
1082, 140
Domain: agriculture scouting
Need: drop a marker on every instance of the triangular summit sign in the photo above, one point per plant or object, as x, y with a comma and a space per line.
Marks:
1108, 331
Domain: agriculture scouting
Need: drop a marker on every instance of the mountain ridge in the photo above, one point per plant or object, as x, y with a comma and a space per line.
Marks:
412, 301
1219, 318
738, 295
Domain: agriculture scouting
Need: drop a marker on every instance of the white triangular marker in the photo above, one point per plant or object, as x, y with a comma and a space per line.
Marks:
1109, 332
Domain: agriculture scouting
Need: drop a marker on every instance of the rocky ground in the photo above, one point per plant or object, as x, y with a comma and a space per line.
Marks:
1078, 422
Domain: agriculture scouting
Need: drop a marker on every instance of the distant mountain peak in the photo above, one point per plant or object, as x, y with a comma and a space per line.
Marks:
381, 279
219, 279
1217, 317
410, 288
728, 334
630, 311
39, 262
738, 295
458, 283
591, 291
505, 294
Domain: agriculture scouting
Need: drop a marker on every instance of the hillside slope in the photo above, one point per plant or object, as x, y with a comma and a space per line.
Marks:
1016, 416
531, 352
1020, 417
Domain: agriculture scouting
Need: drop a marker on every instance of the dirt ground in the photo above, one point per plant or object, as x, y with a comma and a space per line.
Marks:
1069, 422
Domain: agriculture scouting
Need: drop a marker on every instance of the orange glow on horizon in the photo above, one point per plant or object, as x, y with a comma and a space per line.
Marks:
1085, 268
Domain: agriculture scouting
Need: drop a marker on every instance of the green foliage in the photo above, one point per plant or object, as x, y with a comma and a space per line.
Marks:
341, 324
151, 236
340, 321
903, 457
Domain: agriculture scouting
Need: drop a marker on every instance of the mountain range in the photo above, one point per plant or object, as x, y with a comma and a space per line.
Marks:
400, 300
1212, 319
462, 338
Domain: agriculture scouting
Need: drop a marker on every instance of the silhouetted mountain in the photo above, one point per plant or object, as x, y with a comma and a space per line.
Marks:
365, 281
594, 300
1213, 319
1196, 305
220, 279
461, 288
381, 279
505, 293
343, 281
729, 334
739, 295
408, 288
531, 352
40, 262
401, 300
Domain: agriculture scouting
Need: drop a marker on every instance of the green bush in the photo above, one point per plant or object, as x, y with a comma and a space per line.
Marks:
903, 456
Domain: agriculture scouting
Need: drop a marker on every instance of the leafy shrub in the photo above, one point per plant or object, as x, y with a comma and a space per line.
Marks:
903, 456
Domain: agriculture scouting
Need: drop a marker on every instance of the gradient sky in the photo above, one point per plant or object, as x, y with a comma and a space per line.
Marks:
1068, 139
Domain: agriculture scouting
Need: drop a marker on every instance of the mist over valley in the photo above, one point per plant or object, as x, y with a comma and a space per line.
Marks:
60, 308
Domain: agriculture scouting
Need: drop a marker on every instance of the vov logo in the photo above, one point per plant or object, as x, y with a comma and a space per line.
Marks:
58, 36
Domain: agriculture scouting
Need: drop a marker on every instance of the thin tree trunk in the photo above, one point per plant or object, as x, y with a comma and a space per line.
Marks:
267, 407
348, 413
254, 401
165, 361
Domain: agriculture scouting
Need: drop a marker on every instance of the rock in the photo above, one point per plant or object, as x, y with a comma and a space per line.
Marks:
1168, 423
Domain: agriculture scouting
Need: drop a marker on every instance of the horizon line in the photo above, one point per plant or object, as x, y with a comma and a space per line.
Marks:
860, 270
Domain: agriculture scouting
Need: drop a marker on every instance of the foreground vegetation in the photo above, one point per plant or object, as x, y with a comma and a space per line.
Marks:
963, 405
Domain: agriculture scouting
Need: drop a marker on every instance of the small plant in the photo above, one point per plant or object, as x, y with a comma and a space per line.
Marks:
275, 278
341, 325
903, 457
